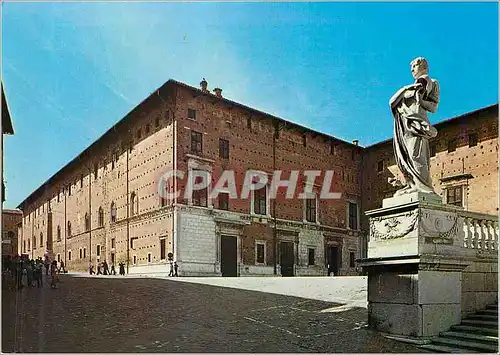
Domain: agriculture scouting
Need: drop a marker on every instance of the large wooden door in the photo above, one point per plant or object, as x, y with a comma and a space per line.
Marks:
287, 258
229, 256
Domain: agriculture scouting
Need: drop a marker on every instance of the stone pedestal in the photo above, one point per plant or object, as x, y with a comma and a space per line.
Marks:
414, 266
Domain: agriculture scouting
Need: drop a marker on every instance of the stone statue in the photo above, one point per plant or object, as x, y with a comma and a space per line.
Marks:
412, 129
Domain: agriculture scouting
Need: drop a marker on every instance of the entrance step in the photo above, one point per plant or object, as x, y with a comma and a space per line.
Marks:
491, 312
480, 323
486, 317
445, 349
465, 344
489, 339
475, 330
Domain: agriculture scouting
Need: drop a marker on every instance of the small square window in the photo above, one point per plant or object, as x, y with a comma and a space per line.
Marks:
223, 148
191, 114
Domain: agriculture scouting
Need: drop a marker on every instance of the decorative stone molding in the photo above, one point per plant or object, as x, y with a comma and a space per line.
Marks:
393, 227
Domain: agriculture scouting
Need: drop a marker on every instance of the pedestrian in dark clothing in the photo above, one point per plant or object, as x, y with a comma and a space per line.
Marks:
171, 273
112, 271
38, 274
105, 267
122, 269
176, 267
99, 268
62, 268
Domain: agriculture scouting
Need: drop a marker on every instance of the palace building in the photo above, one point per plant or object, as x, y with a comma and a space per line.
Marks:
105, 205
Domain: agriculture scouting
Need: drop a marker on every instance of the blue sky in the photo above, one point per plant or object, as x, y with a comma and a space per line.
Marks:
72, 70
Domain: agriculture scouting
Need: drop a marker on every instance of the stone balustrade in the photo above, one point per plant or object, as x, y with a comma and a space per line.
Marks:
480, 231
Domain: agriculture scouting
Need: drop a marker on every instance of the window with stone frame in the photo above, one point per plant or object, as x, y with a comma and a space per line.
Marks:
68, 230
69, 255
41, 240
223, 148
473, 139
84, 253
454, 196
352, 259
113, 212
200, 197
113, 243
100, 217
192, 114
311, 257
29, 247
98, 250
149, 257
163, 248
87, 222
196, 142
132, 242
34, 242
134, 260
81, 253
311, 209
223, 201
58, 233
260, 250
260, 201
353, 215
133, 202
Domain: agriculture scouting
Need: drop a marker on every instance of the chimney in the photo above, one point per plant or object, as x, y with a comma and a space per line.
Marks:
204, 85
218, 92
355, 142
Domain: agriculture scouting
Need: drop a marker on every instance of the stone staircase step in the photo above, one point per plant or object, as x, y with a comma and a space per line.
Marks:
486, 317
484, 323
492, 306
490, 339
445, 349
475, 330
465, 344
493, 312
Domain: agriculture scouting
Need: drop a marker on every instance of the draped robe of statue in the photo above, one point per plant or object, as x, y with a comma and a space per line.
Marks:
412, 131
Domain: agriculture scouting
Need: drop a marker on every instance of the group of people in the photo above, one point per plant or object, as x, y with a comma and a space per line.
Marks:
104, 269
19, 271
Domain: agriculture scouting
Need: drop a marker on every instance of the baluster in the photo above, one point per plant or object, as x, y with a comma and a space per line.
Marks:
494, 230
477, 235
467, 233
486, 234
491, 235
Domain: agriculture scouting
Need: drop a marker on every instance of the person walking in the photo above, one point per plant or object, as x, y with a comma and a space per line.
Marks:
171, 273
61, 267
105, 268
122, 269
112, 271
176, 267
99, 267
91, 269
53, 274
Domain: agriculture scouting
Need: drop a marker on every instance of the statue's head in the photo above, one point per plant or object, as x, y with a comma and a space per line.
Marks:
419, 67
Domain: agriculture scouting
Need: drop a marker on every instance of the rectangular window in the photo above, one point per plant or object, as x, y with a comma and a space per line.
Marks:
200, 198
433, 149
454, 196
196, 142
311, 258
260, 201
191, 114
163, 249
132, 242
113, 243
84, 253
473, 139
58, 194
380, 166
112, 258
224, 201
69, 190
81, 181
149, 257
135, 260
69, 255
260, 250
223, 148
352, 259
353, 215
80, 253
452, 145
96, 171
311, 209
98, 251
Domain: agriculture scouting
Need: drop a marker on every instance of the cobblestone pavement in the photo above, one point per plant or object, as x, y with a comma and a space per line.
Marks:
152, 315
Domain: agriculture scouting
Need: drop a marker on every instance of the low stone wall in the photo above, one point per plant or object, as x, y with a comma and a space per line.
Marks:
479, 284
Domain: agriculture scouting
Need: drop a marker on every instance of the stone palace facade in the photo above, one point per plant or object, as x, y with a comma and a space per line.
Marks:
104, 204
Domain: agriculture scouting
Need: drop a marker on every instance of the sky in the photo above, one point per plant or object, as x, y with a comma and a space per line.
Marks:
72, 70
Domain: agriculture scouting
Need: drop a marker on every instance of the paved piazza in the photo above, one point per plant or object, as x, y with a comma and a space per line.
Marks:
133, 314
